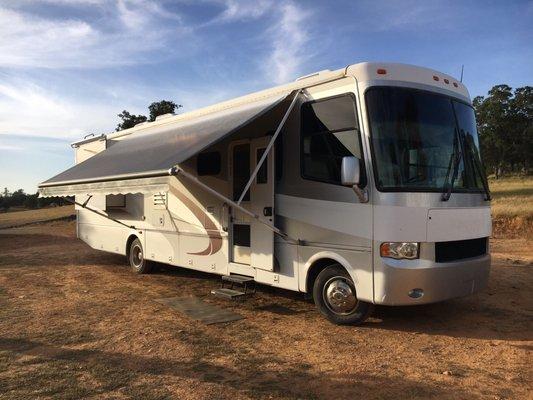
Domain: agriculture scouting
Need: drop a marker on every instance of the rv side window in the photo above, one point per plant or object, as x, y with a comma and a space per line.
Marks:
262, 174
208, 163
114, 201
241, 170
278, 157
328, 133
241, 235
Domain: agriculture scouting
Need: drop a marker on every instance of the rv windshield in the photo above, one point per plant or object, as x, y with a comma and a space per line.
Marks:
413, 133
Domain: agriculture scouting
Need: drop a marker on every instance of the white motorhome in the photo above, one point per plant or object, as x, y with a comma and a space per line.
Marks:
358, 186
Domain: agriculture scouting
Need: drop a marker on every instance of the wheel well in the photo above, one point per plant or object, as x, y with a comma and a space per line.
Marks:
128, 244
316, 268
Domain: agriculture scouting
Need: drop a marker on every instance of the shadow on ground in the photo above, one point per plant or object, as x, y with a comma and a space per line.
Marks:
251, 376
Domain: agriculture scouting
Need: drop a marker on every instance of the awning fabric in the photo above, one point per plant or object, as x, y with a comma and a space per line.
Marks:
154, 151
125, 186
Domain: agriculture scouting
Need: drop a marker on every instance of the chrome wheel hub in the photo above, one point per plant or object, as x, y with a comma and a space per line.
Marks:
339, 295
137, 256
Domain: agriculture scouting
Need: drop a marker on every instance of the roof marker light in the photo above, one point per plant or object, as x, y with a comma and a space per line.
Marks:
381, 71
455, 84
446, 81
435, 78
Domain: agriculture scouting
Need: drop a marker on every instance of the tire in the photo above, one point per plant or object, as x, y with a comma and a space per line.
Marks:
336, 299
136, 258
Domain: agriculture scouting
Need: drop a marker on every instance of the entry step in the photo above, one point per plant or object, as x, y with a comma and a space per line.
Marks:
227, 293
237, 278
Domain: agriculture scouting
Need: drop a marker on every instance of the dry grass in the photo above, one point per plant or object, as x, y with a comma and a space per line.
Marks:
512, 205
76, 323
17, 218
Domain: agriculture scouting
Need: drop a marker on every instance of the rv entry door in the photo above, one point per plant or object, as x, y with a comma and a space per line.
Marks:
252, 241
262, 204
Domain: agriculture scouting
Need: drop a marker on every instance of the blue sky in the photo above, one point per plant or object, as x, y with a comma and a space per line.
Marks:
68, 67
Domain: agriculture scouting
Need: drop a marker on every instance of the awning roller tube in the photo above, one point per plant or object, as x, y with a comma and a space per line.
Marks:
129, 186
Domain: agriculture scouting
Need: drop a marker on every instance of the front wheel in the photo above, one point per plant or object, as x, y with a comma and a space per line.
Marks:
136, 258
335, 297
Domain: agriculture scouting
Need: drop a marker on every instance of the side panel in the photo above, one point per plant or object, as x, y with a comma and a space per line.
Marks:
198, 221
162, 246
104, 237
458, 223
327, 218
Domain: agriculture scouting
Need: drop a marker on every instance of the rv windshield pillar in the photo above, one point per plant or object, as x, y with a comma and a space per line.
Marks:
269, 147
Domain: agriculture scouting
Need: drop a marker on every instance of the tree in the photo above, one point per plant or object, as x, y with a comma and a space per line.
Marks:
155, 109
31, 201
129, 120
162, 107
522, 104
505, 126
18, 197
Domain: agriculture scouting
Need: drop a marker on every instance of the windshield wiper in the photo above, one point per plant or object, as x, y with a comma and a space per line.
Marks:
455, 159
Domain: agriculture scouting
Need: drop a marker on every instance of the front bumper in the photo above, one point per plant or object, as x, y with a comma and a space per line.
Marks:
395, 279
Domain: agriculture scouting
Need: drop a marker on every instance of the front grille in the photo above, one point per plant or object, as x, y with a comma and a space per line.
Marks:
460, 249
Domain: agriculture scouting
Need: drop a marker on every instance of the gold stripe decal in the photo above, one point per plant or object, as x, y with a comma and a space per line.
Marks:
215, 238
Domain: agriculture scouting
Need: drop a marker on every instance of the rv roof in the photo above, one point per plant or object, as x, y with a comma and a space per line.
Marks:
370, 73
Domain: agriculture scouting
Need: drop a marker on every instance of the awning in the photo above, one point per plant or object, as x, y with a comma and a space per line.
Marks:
153, 152
122, 186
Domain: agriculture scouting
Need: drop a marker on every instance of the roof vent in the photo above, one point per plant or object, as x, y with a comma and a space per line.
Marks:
164, 116
324, 71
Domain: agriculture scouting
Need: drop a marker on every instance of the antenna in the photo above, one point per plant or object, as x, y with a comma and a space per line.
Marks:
462, 69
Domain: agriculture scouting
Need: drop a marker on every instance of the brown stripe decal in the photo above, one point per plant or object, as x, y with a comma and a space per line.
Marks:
215, 238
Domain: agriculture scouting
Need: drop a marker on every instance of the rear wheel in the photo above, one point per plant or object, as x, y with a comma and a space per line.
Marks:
335, 297
136, 258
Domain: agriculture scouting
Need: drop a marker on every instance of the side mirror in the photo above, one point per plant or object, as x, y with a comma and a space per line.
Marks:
350, 171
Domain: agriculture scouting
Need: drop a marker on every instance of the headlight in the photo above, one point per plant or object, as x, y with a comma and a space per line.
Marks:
399, 250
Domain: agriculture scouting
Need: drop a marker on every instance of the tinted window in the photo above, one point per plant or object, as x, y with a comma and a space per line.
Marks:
466, 122
208, 163
329, 133
415, 138
278, 156
241, 235
262, 174
241, 170
115, 201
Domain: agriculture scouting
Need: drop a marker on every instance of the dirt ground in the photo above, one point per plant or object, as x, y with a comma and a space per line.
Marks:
76, 323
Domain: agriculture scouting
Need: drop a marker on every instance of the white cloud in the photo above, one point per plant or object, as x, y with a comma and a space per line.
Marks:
289, 37
9, 147
238, 10
127, 33
28, 109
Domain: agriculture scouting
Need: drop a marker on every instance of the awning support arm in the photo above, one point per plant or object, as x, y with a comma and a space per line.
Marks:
84, 205
87, 201
175, 171
269, 147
